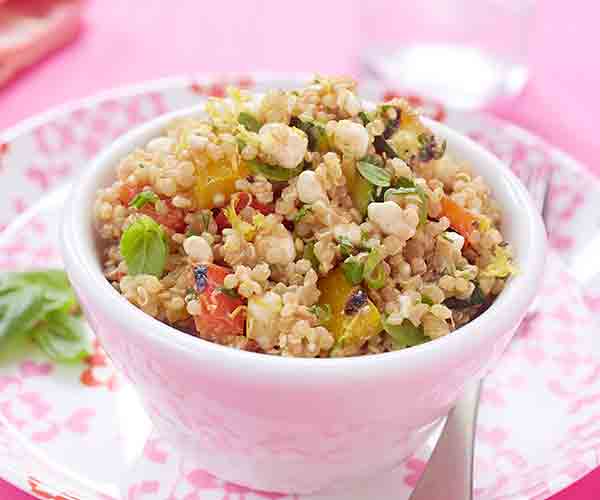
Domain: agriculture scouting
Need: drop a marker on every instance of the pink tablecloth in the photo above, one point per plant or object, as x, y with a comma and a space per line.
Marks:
131, 41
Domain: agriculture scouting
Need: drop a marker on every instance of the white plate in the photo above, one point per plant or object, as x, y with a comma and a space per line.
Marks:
78, 432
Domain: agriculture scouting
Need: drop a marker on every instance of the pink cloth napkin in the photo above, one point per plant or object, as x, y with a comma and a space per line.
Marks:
31, 29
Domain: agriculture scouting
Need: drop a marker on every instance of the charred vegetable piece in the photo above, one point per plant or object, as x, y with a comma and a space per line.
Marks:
461, 220
383, 147
354, 318
220, 313
392, 126
317, 138
217, 178
430, 148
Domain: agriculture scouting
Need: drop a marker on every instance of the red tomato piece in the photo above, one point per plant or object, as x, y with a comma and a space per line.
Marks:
173, 219
219, 312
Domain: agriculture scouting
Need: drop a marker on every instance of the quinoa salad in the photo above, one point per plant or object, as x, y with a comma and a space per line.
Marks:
303, 223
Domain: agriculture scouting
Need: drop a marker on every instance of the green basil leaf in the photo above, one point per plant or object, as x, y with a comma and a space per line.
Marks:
40, 305
374, 159
364, 117
27, 296
144, 247
353, 271
273, 173
374, 174
20, 309
249, 121
374, 272
143, 197
405, 335
62, 337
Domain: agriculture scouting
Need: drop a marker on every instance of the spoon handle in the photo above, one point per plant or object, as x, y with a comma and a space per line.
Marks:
449, 472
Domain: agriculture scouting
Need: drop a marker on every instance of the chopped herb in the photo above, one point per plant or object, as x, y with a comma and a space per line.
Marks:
230, 292
383, 147
141, 165
249, 121
322, 312
405, 334
426, 300
240, 142
364, 117
374, 272
143, 197
302, 212
273, 173
405, 186
353, 270
144, 247
429, 148
309, 254
41, 306
374, 174
357, 300
346, 247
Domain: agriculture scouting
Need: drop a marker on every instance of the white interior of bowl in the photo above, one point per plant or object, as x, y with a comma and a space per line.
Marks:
522, 227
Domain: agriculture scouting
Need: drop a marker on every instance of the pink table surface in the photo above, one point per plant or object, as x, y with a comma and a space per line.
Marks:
128, 42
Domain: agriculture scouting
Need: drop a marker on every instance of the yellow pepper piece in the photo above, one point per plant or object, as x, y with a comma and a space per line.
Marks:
350, 330
217, 177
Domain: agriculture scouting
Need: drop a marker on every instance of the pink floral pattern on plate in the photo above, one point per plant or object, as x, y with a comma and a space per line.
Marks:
540, 412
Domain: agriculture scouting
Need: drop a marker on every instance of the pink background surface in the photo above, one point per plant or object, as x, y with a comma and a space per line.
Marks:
128, 42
